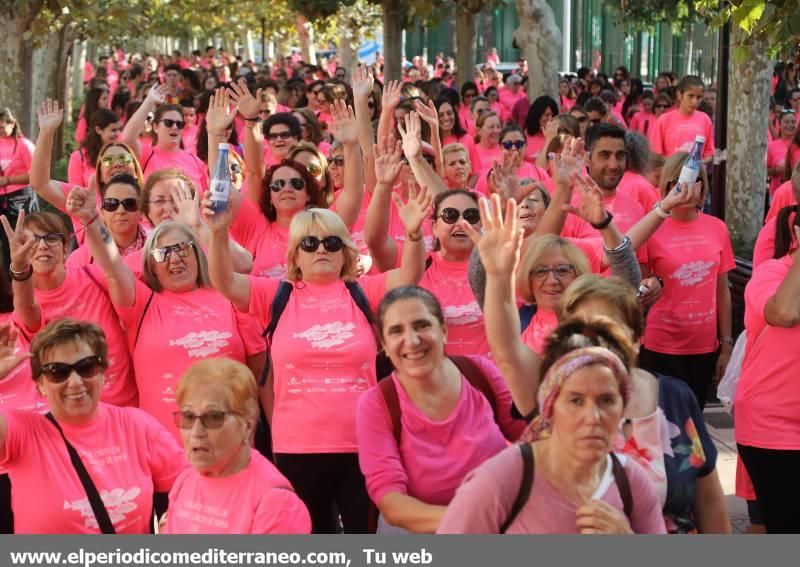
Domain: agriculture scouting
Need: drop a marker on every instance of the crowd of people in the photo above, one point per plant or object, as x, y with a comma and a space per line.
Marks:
425, 308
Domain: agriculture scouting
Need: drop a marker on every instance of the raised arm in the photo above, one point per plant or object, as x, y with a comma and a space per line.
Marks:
82, 203
570, 163
50, 117
429, 114
389, 101
22, 245
425, 175
235, 287
9, 360
218, 119
130, 134
345, 128
362, 87
388, 164
413, 214
248, 106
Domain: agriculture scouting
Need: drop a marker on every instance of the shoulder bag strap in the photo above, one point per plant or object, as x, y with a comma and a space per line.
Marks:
392, 402
526, 452
477, 380
141, 319
99, 509
624, 487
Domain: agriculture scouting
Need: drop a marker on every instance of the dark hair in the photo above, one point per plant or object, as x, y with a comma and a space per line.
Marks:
287, 119
511, 127
458, 129
449, 95
638, 150
602, 130
405, 293
312, 188
161, 111
93, 143
67, 331
583, 71
469, 86
120, 100
609, 97
92, 103
582, 98
202, 140
689, 82
784, 230
535, 112
637, 91
440, 197
596, 104
172, 67
122, 179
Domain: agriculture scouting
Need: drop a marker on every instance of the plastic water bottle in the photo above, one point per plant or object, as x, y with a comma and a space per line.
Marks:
220, 181
691, 169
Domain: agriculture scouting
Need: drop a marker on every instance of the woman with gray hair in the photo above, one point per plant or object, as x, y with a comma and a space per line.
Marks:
174, 317
634, 183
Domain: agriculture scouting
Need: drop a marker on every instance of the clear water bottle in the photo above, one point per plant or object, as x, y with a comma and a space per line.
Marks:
220, 181
691, 169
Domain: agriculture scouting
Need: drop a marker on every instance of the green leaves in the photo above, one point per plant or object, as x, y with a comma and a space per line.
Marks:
747, 14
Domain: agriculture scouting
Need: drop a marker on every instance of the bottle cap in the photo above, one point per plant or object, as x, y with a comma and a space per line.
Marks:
701, 139
224, 146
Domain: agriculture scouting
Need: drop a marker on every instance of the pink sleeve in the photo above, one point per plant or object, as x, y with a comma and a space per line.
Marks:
374, 288
708, 148
250, 333
766, 280
726, 262
75, 169
166, 458
262, 292
765, 244
378, 453
281, 511
656, 144
130, 317
18, 424
244, 228
80, 130
25, 149
646, 516
511, 428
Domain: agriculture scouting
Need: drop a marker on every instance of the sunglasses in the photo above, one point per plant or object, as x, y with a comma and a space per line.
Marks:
285, 135
662, 106
236, 168
297, 184
169, 123
583, 119
111, 205
265, 112
517, 145
314, 169
330, 243
451, 215
58, 372
371, 103
211, 419
338, 161
51, 238
469, 95
162, 254
560, 272
121, 159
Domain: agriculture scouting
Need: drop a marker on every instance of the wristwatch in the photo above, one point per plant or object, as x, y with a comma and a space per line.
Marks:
605, 223
728, 340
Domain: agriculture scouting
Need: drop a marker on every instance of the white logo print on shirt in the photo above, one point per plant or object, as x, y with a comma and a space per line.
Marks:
203, 343
692, 273
278, 271
327, 335
118, 502
462, 314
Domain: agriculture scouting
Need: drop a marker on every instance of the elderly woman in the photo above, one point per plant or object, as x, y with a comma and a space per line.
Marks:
325, 340
241, 490
448, 415
173, 317
574, 482
129, 454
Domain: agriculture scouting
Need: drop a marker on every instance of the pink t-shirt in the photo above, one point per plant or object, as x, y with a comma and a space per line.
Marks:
269, 252
642, 122
434, 456
765, 244
177, 330
674, 131
509, 99
128, 455
535, 145
484, 501
776, 157
190, 135
17, 389
80, 169
783, 197
542, 324
155, 159
528, 170
485, 156
256, 500
767, 396
15, 159
689, 256
81, 256
448, 281
636, 186
566, 103
465, 115
84, 296
323, 359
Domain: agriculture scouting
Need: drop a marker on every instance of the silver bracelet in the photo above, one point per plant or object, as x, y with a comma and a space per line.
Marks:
625, 242
661, 212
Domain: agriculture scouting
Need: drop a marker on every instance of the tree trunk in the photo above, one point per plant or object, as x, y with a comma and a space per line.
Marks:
393, 20
539, 38
348, 56
748, 115
78, 61
465, 44
305, 32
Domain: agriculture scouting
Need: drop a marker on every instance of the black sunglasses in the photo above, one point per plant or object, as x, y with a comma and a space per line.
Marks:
451, 215
236, 168
111, 205
211, 420
338, 161
169, 123
517, 145
297, 183
311, 243
285, 135
662, 106
58, 372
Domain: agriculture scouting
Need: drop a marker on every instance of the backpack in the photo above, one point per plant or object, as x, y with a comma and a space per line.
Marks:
526, 452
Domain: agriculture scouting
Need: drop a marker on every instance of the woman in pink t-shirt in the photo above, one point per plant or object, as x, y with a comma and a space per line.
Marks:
676, 130
566, 95
130, 456
792, 154
514, 144
578, 485
456, 165
105, 129
487, 147
542, 110
230, 488
97, 98
322, 351
778, 150
412, 472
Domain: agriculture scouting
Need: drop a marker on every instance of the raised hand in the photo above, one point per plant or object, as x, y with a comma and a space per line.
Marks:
157, 94
9, 357
591, 208
428, 113
414, 212
248, 105
681, 196
21, 243
391, 96
551, 131
362, 82
344, 127
411, 135
500, 244
188, 206
388, 161
220, 113
571, 160
82, 204
50, 115
217, 222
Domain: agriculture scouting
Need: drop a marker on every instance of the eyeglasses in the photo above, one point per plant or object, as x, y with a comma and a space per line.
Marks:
297, 184
314, 168
58, 372
285, 135
51, 238
162, 202
662, 106
330, 243
111, 205
517, 145
560, 272
120, 159
338, 161
169, 123
211, 419
235, 168
451, 215
162, 254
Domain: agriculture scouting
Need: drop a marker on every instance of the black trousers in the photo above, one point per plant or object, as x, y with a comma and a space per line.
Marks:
330, 484
6, 515
774, 474
697, 370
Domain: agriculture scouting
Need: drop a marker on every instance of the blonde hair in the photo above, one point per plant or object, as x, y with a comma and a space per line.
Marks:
672, 171
149, 275
330, 224
157, 177
534, 255
613, 291
234, 378
481, 121
453, 148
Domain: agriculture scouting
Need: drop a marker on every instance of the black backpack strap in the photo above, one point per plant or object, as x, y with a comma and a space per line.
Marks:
526, 314
275, 311
141, 319
624, 487
526, 452
383, 366
361, 300
428, 262
99, 509
477, 380
144, 167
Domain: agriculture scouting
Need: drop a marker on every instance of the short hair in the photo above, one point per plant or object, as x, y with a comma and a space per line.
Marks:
172, 67
234, 379
672, 171
613, 291
285, 118
533, 257
409, 293
476, 100
48, 222
148, 274
66, 331
453, 148
330, 223
690, 82
602, 130
157, 177
509, 128
137, 168
596, 104
123, 179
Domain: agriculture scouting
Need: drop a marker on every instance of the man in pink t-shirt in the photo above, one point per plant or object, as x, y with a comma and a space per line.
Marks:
511, 94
